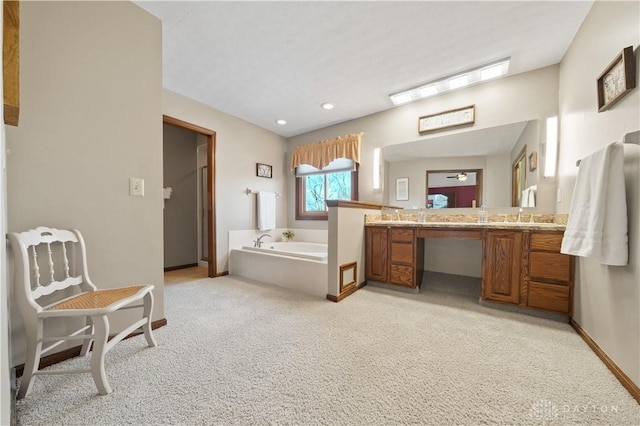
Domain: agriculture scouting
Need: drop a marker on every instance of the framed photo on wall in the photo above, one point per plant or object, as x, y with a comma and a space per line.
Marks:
618, 79
402, 189
264, 170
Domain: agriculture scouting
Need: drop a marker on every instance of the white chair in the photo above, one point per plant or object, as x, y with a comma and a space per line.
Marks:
44, 291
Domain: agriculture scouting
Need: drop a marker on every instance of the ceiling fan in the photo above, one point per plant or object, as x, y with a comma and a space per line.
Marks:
462, 176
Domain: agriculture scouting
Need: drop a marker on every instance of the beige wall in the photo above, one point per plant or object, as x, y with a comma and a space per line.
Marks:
523, 97
239, 146
90, 118
607, 299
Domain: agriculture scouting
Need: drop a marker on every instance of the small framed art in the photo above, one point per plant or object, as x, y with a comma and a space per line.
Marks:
402, 189
617, 79
264, 170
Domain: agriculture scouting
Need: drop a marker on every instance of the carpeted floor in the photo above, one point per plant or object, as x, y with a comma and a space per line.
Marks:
243, 353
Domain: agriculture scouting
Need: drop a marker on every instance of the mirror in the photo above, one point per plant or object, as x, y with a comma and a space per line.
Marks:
491, 150
519, 178
454, 188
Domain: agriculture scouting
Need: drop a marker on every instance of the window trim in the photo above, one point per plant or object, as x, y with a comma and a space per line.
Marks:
323, 215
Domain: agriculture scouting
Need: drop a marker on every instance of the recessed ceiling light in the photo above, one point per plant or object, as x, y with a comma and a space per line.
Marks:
281, 122
327, 105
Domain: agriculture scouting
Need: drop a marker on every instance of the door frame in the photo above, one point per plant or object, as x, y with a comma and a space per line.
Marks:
210, 135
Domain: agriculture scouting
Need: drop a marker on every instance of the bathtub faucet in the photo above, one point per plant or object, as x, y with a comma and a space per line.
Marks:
258, 241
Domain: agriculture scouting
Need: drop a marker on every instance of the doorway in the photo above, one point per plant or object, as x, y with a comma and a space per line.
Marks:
209, 225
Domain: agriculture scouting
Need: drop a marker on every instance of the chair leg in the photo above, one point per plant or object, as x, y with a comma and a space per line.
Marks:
101, 330
87, 343
33, 333
146, 312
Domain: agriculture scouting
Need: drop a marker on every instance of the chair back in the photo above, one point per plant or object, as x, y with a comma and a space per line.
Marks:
48, 261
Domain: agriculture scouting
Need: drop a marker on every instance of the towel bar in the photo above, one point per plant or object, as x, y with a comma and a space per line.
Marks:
249, 191
632, 138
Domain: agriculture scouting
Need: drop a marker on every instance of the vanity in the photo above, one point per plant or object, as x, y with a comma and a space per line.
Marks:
521, 262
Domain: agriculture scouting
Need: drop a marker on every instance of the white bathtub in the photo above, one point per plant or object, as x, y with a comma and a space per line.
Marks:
311, 251
298, 266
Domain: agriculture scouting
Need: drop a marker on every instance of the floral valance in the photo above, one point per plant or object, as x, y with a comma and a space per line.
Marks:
320, 154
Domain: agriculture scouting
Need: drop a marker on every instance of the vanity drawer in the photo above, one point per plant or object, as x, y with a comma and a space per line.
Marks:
550, 267
546, 242
549, 296
402, 275
402, 235
402, 253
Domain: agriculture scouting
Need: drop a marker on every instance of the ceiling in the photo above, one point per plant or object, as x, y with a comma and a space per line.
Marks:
263, 61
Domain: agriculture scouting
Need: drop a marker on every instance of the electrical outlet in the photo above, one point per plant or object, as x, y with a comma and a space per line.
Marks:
136, 187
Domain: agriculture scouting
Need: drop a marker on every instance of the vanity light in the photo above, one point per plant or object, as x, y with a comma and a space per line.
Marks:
452, 82
281, 122
376, 168
327, 105
551, 149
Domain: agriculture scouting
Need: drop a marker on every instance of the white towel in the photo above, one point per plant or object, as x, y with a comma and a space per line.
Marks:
529, 196
266, 210
597, 225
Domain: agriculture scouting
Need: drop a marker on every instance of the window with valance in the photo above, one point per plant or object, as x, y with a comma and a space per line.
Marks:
326, 170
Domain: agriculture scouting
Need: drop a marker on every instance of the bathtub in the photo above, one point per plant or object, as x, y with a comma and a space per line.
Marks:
299, 266
311, 251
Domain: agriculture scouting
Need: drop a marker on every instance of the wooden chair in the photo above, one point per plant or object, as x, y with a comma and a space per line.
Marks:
44, 291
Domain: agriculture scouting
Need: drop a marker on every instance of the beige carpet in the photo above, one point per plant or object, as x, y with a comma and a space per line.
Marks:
243, 353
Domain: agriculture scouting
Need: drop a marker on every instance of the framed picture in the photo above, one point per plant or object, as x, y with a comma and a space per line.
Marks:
533, 161
402, 189
451, 118
616, 80
264, 170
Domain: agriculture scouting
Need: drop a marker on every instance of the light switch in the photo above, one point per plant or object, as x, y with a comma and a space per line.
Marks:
136, 187
559, 195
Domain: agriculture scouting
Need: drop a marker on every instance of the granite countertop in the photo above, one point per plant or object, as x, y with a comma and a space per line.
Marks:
469, 225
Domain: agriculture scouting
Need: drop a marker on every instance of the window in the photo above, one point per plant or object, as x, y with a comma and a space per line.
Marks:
312, 191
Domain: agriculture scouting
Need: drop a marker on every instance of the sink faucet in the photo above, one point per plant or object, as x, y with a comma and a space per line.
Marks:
258, 241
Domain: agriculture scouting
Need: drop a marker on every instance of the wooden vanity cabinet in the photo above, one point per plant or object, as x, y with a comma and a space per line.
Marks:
393, 256
501, 270
376, 260
550, 275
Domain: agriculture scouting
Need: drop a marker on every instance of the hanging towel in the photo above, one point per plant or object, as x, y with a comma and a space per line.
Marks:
266, 210
529, 196
597, 225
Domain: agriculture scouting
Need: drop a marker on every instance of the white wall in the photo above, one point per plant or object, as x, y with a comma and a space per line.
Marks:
523, 97
607, 299
239, 146
90, 118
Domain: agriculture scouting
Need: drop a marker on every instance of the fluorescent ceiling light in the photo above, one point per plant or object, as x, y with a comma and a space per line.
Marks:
458, 82
429, 90
401, 98
474, 76
492, 71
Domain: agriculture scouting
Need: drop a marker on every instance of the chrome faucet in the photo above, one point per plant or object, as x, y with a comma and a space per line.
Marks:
258, 241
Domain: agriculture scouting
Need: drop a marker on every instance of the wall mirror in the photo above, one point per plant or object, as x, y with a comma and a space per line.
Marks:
493, 151
454, 188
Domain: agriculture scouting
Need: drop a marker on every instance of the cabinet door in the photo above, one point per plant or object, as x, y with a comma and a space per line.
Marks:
501, 268
376, 258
